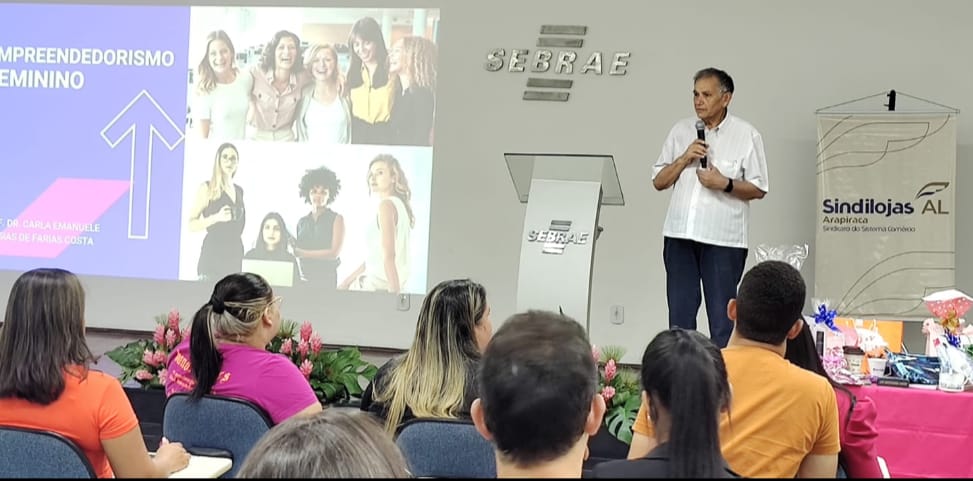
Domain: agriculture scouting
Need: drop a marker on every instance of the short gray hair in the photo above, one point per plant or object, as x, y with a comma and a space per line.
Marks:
726, 82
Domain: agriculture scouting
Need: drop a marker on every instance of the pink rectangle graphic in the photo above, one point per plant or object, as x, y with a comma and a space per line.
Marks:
58, 217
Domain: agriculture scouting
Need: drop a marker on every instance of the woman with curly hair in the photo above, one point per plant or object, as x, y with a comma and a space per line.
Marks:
412, 64
321, 233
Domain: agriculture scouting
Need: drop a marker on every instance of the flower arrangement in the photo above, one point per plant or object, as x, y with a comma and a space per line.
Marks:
145, 360
620, 388
335, 375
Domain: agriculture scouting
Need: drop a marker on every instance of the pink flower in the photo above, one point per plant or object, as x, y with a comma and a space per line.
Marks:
160, 358
316, 343
160, 334
143, 375
148, 357
170, 338
162, 376
306, 368
287, 347
610, 371
608, 393
174, 319
302, 348
306, 331
184, 333
595, 353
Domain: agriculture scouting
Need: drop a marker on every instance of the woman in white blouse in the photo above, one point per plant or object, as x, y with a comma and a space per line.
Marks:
324, 115
222, 95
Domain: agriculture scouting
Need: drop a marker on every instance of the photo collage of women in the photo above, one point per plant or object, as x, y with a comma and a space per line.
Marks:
309, 146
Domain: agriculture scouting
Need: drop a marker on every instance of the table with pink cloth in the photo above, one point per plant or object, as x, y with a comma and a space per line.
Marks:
922, 432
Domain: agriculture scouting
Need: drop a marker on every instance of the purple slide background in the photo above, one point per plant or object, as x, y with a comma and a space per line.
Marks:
56, 133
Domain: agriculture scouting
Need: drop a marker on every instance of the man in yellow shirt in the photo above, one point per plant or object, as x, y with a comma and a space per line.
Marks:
783, 420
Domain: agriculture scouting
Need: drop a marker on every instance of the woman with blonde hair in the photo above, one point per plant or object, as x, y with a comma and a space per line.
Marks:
46, 382
330, 444
386, 265
219, 209
436, 377
325, 114
222, 96
226, 353
412, 64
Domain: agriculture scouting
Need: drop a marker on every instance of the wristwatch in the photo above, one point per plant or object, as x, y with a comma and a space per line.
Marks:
729, 186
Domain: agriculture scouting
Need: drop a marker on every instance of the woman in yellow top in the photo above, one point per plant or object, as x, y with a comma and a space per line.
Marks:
368, 83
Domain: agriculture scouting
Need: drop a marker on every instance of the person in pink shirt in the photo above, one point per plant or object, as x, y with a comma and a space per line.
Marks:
226, 354
856, 414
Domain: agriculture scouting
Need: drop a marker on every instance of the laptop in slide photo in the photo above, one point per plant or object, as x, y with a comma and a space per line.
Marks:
277, 273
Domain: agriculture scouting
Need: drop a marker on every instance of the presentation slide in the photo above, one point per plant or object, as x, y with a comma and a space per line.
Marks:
188, 143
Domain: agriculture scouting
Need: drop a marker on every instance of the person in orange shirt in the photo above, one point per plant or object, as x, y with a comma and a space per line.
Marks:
46, 384
783, 420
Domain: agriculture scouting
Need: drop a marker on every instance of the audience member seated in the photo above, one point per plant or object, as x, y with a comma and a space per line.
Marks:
784, 420
329, 444
226, 352
436, 378
684, 384
539, 398
46, 383
856, 414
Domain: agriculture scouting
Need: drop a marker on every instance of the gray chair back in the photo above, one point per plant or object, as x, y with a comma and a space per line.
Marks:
215, 426
446, 448
30, 453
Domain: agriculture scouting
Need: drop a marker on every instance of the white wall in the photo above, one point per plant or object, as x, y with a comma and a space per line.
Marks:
788, 58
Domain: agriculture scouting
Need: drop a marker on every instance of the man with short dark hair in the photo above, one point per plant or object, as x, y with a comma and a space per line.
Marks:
539, 398
783, 419
705, 232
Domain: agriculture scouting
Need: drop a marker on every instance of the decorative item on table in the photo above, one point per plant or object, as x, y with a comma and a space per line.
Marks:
791, 254
955, 367
917, 370
949, 306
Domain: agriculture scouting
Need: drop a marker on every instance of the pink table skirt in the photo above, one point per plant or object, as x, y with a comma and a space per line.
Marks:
924, 433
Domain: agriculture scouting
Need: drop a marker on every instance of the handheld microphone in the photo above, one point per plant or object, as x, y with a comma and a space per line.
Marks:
701, 135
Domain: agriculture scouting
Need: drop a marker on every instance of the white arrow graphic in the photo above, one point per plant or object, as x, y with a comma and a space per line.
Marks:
142, 130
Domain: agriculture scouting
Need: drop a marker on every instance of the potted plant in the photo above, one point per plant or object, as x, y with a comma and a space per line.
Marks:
336, 375
144, 362
622, 392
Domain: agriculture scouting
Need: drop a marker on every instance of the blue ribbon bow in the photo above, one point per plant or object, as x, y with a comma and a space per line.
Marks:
826, 317
952, 339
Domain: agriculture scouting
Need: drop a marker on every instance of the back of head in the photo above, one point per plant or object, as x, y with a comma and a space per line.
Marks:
683, 372
329, 444
537, 383
42, 335
233, 312
431, 379
769, 300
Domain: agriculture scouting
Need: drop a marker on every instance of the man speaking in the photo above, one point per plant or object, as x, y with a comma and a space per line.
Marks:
706, 225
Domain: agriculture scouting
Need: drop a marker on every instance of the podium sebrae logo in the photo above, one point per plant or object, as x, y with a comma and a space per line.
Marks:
557, 237
559, 54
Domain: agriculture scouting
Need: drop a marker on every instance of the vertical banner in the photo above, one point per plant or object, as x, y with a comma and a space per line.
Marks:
885, 223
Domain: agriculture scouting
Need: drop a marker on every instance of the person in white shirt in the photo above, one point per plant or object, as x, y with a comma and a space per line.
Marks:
705, 232
222, 96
